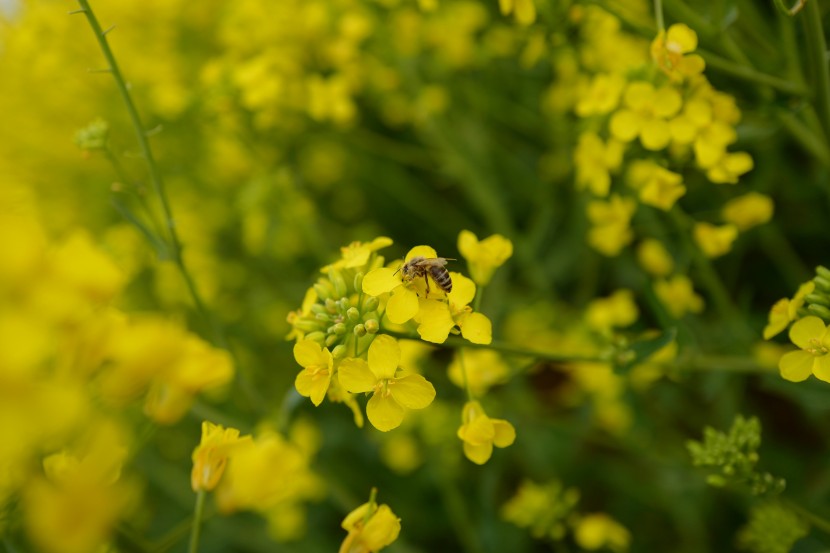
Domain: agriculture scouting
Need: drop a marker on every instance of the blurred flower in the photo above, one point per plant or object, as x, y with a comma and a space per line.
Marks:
485, 368
714, 241
211, 455
671, 51
598, 530
595, 160
391, 394
654, 258
617, 310
678, 296
543, 509
485, 256
611, 232
748, 211
480, 433
523, 10
785, 310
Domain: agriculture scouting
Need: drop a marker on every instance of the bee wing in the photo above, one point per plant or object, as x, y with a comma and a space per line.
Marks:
437, 261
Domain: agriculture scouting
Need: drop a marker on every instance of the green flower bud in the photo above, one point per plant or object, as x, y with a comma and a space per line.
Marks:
372, 326
360, 330
370, 304
343, 304
331, 305
353, 314
93, 136
323, 317
820, 299
332, 339
336, 278
338, 329
358, 282
822, 283
307, 325
823, 272
339, 351
819, 310
324, 289
318, 337
318, 309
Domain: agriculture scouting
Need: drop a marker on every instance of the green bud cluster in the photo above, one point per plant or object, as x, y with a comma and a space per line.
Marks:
342, 314
543, 519
94, 136
818, 301
733, 457
773, 528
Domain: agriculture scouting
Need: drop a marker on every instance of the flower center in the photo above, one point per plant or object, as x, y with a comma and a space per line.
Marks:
816, 348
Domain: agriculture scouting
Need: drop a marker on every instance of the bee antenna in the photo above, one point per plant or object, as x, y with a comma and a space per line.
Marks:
396, 272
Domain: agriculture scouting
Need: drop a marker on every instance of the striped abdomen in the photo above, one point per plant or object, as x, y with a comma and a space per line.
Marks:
441, 276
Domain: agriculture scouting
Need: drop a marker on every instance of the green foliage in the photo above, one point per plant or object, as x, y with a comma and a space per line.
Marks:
772, 528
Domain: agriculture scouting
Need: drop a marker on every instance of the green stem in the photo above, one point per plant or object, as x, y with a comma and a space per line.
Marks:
812, 142
197, 521
470, 396
819, 522
817, 47
373, 505
789, 11
658, 15
477, 300
752, 75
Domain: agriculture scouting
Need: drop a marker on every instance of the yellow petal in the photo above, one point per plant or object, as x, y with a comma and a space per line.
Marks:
423, 251
354, 375
384, 357
381, 280
779, 318
525, 11
463, 290
821, 368
477, 329
381, 529
803, 330
796, 366
505, 433
313, 384
478, 431
435, 321
681, 39
413, 391
478, 454
467, 244
384, 412
402, 306
309, 353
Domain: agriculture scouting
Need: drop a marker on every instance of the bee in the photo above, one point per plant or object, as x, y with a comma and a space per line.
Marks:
428, 267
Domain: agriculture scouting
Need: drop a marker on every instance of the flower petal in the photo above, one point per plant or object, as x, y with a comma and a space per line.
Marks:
796, 366
309, 353
505, 433
313, 384
463, 290
384, 412
435, 321
803, 330
478, 431
381, 280
423, 251
478, 454
413, 391
467, 244
384, 356
354, 375
821, 367
477, 329
402, 306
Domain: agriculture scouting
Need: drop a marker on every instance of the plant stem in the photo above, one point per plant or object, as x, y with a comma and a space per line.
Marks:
817, 48
817, 521
752, 75
197, 521
470, 396
658, 15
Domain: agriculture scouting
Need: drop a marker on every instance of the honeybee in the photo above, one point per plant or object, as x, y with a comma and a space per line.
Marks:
429, 267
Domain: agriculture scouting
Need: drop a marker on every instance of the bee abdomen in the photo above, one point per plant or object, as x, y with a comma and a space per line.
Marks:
442, 278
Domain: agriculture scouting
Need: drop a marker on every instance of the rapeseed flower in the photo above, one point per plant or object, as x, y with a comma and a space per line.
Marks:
611, 230
437, 318
598, 530
654, 258
785, 310
210, 458
480, 433
318, 367
484, 256
402, 305
747, 211
371, 527
813, 337
713, 240
678, 296
672, 51
393, 391
484, 369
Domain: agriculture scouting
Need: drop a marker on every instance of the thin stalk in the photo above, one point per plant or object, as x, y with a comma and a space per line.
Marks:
817, 47
817, 521
813, 143
193, 547
752, 75
470, 396
658, 16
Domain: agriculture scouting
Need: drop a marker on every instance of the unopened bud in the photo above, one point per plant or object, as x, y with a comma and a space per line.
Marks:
360, 331
820, 299
358, 282
332, 339
338, 329
823, 272
822, 283
318, 336
331, 305
307, 325
353, 314
336, 278
339, 351
324, 289
372, 326
819, 310
370, 304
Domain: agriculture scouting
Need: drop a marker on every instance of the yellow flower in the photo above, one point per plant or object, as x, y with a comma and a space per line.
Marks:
598, 530
357, 254
748, 211
523, 10
714, 241
391, 394
265, 472
485, 256
812, 336
318, 365
211, 455
670, 50
371, 527
645, 114
480, 433
617, 310
658, 187
437, 318
654, 258
678, 296
611, 219
602, 95
729, 167
485, 368
594, 161
403, 302
786, 310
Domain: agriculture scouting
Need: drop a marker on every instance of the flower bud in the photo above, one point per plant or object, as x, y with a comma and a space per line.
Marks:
318, 336
332, 339
823, 272
360, 330
353, 314
336, 278
819, 310
372, 326
322, 317
358, 282
331, 305
339, 351
318, 309
307, 325
338, 329
820, 299
343, 304
822, 283
370, 304
324, 289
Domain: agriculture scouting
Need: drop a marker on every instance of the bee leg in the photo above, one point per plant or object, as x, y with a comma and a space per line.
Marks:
426, 279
